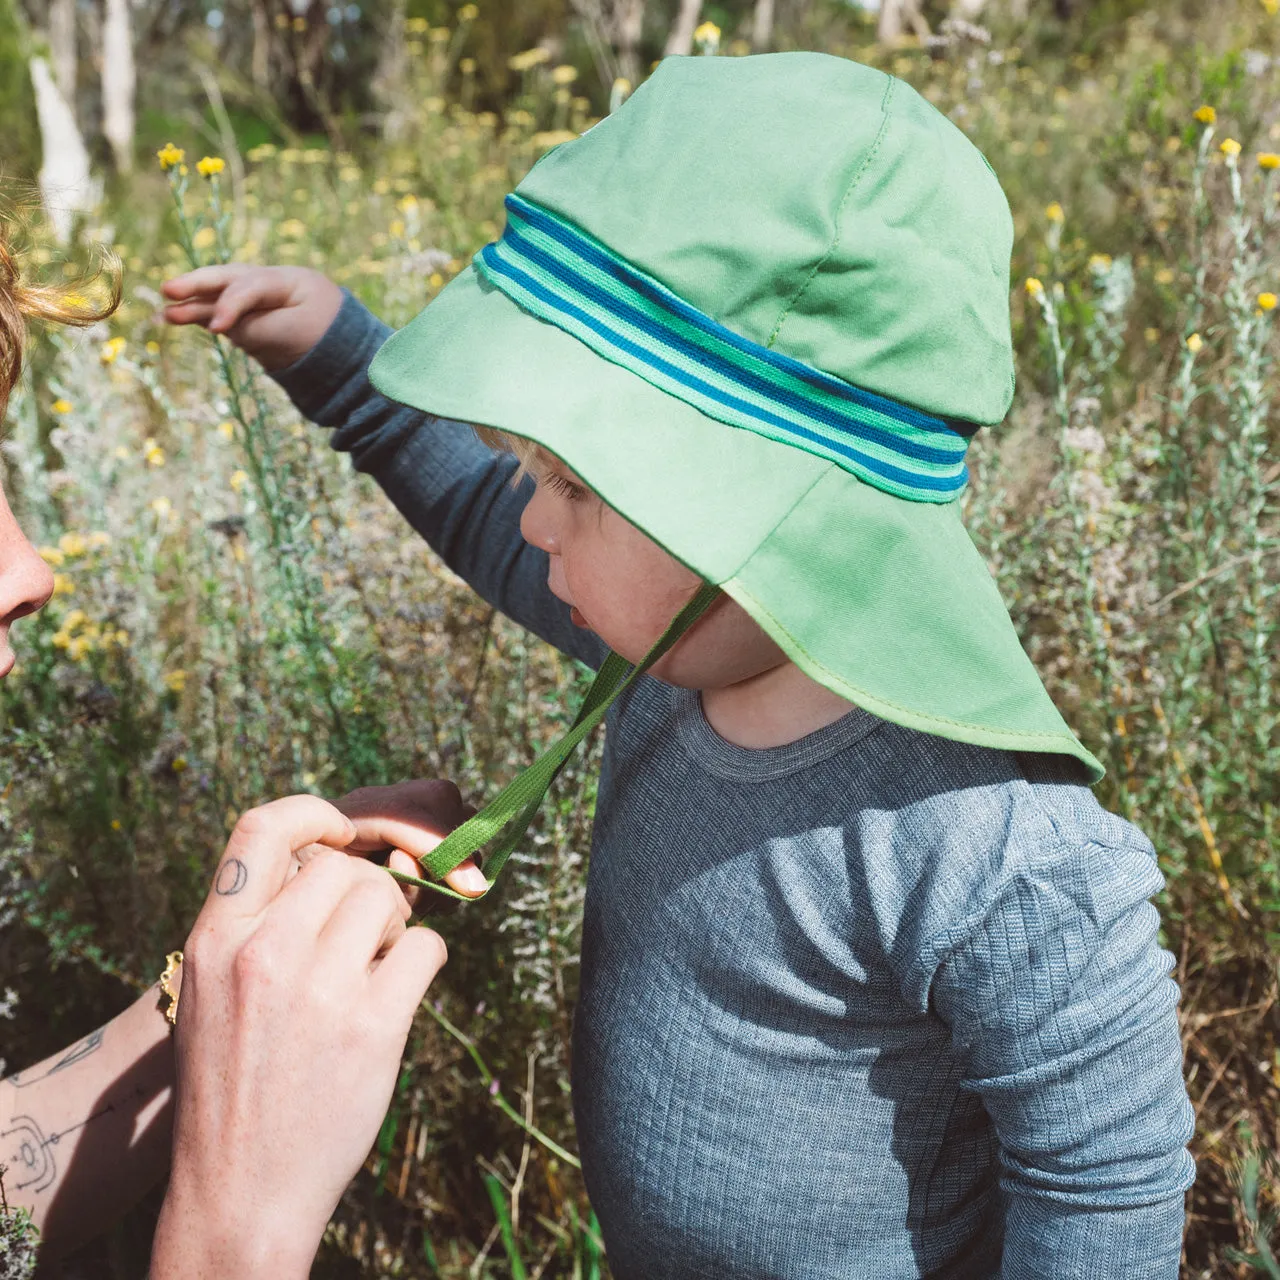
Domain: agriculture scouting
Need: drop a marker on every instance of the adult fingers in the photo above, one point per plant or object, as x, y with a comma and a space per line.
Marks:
367, 921
260, 853
405, 972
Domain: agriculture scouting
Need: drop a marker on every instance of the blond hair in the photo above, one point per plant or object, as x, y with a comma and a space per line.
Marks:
77, 301
530, 456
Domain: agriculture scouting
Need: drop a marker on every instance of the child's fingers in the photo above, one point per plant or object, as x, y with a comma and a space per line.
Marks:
203, 282
192, 312
257, 291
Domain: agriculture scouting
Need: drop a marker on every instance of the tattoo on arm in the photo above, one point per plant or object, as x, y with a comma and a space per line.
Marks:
77, 1053
233, 875
31, 1155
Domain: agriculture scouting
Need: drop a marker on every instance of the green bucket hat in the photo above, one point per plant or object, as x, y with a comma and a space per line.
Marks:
760, 310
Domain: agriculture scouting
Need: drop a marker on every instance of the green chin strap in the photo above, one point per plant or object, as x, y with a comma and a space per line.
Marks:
507, 816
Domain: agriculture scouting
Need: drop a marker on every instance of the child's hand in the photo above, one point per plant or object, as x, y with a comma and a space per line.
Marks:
411, 819
274, 314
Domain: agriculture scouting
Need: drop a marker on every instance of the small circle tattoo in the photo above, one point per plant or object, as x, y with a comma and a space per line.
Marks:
233, 875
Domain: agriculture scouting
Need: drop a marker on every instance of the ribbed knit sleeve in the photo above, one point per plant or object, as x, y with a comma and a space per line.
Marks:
452, 489
1062, 1013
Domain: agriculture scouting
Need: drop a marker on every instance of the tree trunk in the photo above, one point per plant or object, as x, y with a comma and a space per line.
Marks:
894, 15
119, 82
762, 26
628, 24
66, 185
260, 63
680, 40
62, 47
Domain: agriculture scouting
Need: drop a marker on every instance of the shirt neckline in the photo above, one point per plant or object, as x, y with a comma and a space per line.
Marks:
758, 764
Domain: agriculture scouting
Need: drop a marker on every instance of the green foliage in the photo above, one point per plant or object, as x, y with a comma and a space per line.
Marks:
19, 130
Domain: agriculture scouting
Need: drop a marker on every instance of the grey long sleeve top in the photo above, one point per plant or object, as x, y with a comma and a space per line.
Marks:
871, 1005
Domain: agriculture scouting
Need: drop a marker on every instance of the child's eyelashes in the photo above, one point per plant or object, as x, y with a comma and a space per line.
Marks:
564, 487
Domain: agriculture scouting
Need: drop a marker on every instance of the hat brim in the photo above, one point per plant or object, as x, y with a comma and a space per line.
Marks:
884, 601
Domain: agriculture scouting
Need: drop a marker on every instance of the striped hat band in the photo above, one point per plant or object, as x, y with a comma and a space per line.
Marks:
557, 272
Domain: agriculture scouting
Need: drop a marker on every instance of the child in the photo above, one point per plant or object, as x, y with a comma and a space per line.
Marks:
870, 983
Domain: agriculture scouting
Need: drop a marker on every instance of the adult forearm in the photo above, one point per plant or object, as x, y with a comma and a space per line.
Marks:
86, 1132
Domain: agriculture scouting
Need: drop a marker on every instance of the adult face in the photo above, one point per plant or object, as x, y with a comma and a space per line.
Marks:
26, 582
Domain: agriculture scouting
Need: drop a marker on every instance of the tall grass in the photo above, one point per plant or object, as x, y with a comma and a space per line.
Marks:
238, 616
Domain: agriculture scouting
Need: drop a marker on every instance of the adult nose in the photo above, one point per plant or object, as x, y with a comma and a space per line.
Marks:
26, 582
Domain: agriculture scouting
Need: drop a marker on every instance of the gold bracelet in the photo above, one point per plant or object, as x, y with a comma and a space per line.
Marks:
171, 963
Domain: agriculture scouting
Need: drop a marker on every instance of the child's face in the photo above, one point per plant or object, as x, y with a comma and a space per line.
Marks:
626, 588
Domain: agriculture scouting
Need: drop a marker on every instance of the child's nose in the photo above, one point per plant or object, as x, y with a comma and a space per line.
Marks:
537, 525
26, 582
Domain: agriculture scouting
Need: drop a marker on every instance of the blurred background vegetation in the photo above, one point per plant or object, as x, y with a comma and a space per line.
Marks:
238, 616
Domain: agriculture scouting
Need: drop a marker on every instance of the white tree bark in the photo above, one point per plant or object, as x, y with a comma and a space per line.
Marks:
680, 39
66, 185
119, 82
762, 26
62, 47
897, 14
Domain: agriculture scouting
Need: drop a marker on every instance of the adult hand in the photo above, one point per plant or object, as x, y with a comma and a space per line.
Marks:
298, 991
274, 314
411, 819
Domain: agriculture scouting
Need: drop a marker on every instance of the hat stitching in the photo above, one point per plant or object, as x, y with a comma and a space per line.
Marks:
844, 199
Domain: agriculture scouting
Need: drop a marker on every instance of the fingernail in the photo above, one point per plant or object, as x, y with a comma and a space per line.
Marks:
473, 879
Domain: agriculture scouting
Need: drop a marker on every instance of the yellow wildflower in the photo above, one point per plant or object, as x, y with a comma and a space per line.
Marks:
180, 765
707, 34
62, 585
1194, 343
468, 13
226, 429
416, 26
61, 640
169, 155
1054, 212
110, 349
238, 480
1034, 288
1267, 301
52, 557
1100, 261
549, 138
72, 545
529, 59
435, 280
61, 406
76, 618
99, 539
205, 238
1206, 114
78, 647
564, 74
1268, 160
153, 348
467, 66
1229, 148
210, 166
162, 507
152, 453
396, 227
293, 229
175, 681
116, 824
1272, 7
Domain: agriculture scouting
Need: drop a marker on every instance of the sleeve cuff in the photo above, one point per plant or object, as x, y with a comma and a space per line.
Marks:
345, 352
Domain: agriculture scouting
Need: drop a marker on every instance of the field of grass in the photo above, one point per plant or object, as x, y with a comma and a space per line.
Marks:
239, 616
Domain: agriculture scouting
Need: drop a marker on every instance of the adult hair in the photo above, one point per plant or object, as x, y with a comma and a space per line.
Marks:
78, 300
